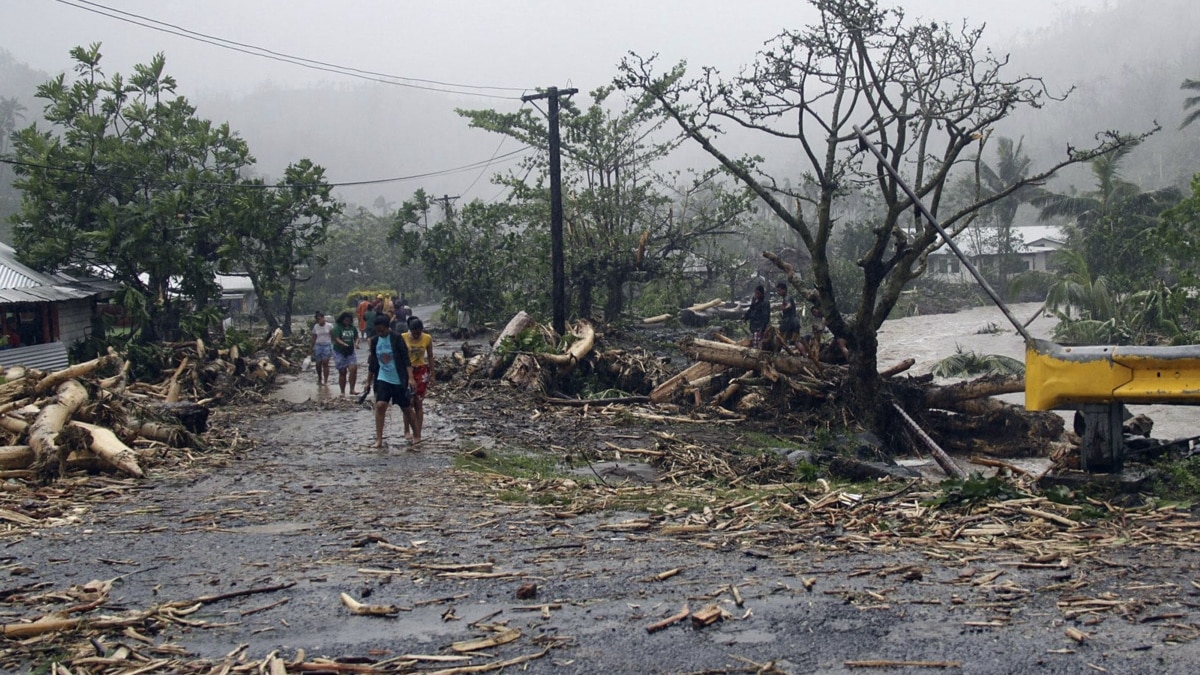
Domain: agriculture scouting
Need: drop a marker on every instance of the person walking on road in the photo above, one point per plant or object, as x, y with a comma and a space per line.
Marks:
759, 316
420, 352
390, 372
345, 339
364, 304
322, 346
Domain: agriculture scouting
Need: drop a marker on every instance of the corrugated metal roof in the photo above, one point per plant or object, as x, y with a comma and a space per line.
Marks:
16, 275
19, 283
48, 357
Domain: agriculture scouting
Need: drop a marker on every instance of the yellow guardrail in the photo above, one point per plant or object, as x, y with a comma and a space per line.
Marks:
1058, 376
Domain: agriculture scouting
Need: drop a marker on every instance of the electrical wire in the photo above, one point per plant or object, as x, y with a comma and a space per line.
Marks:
267, 186
261, 52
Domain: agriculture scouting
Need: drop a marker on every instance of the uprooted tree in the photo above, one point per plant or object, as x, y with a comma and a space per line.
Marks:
926, 94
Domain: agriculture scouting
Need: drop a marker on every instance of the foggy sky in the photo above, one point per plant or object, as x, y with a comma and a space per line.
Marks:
510, 43
516, 44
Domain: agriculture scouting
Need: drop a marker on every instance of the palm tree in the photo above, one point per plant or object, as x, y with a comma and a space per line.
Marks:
1191, 104
1011, 168
1114, 225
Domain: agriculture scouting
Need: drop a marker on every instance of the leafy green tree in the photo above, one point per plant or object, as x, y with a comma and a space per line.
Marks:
122, 182
273, 235
625, 222
923, 93
1113, 227
479, 260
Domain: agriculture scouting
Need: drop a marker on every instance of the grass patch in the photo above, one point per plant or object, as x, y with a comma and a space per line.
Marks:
1178, 480
757, 441
510, 462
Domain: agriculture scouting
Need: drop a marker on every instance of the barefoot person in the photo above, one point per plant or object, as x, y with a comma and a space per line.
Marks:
322, 346
345, 339
420, 352
389, 371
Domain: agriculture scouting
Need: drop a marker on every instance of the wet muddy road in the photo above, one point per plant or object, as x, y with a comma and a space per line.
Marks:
312, 507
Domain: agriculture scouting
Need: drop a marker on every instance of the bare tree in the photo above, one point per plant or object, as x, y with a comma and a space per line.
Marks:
926, 94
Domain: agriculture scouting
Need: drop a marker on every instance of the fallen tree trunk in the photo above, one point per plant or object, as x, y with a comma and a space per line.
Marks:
49, 457
579, 349
84, 369
983, 387
695, 371
18, 457
108, 447
521, 321
746, 358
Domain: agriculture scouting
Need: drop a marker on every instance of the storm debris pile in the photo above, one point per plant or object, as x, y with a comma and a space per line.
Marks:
98, 416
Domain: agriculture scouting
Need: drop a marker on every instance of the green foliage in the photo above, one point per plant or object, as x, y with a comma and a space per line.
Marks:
1113, 227
1090, 313
241, 339
528, 341
147, 360
974, 490
807, 472
125, 182
969, 364
1192, 103
128, 181
196, 324
477, 259
514, 462
1179, 479
273, 235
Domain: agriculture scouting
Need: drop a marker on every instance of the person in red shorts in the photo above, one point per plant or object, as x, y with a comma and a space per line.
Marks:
420, 353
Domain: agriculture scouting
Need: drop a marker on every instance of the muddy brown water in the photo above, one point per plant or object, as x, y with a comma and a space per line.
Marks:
312, 504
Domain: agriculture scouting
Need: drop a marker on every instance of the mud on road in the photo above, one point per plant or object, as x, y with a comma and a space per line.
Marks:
310, 505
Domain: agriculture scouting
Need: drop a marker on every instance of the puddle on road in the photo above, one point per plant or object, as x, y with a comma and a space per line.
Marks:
302, 388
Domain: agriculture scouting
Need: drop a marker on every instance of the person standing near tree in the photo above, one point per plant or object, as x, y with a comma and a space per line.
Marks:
390, 373
758, 316
420, 352
345, 339
369, 317
322, 346
789, 322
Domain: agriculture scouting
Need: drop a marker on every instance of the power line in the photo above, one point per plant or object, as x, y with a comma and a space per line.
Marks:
261, 52
265, 186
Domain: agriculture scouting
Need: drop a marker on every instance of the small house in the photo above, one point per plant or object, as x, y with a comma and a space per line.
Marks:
42, 315
1034, 251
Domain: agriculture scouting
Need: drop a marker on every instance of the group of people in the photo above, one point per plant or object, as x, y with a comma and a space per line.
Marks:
399, 361
759, 318
394, 306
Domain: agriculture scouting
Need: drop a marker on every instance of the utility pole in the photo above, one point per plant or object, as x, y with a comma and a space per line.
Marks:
558, 297
445, 200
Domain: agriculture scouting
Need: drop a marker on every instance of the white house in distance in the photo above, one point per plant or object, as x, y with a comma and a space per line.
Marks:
1040, 243
42, 315
237, 293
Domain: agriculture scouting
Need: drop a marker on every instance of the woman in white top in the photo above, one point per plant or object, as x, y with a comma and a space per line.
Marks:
322, 347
